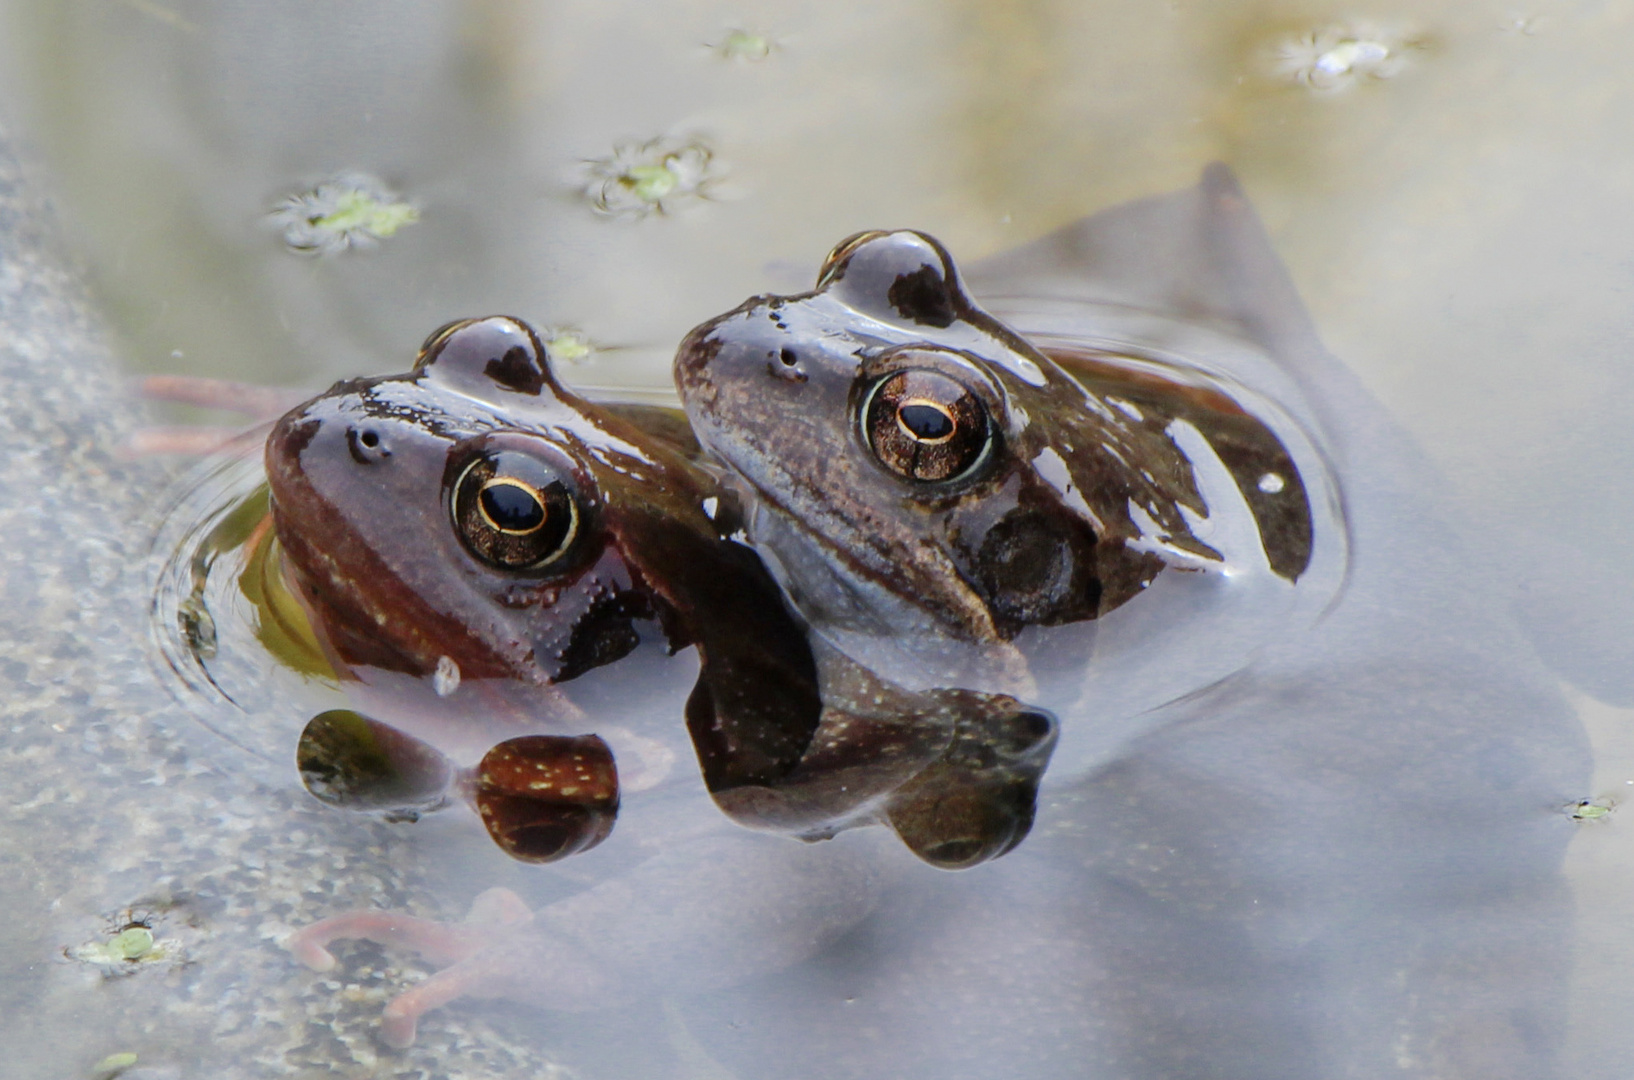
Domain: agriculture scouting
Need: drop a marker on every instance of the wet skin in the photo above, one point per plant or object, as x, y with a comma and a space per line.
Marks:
918, 473
476, 533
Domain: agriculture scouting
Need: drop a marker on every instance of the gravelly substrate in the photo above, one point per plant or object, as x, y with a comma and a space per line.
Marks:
114, 816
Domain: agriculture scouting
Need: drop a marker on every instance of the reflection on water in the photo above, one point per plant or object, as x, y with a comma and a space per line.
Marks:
1458, 222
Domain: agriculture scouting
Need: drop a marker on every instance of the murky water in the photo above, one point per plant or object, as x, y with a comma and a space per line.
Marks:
1449, 184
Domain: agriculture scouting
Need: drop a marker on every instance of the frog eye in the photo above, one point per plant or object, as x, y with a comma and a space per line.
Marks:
515, 511
926, 425
895, 276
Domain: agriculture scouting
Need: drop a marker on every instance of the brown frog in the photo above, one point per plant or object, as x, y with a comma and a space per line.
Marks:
472, 522
964, 507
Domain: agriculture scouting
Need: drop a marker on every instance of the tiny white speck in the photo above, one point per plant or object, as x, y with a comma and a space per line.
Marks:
1271, 483
446, 679
1127, 408
711, 504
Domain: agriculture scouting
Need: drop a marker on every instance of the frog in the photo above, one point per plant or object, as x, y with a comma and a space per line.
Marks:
933, 487
1324, 838
483, 555
547, 569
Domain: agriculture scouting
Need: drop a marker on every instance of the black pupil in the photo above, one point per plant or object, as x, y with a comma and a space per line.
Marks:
511, 508
926, 421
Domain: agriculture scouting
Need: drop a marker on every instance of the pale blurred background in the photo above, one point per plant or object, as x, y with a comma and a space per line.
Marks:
1451, 183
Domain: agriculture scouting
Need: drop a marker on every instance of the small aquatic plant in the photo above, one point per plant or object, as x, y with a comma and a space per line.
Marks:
1591, 809
638, 179
350, 210
127, 947
739, 44
114, 1065
1337, 57
567, 345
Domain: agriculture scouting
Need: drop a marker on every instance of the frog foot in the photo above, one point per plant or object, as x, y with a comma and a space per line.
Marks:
449, 946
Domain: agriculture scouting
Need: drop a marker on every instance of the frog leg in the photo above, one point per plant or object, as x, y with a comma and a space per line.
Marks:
443, 944
196, 440
260, 403
247, 399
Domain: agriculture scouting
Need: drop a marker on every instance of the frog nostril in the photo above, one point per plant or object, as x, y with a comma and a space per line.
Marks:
789, 357
366, 446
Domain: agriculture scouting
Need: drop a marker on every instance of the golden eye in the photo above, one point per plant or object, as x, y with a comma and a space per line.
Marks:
924, 425
514, 511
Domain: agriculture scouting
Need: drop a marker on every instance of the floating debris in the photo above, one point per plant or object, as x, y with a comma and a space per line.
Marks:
566, 345
126, 949
1525, 25
113, 1065
1337, 57
350, 210
1590, 809
162, 14
446, 679
744, 45
641, 178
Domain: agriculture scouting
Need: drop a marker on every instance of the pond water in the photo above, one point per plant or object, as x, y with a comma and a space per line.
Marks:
1450, 186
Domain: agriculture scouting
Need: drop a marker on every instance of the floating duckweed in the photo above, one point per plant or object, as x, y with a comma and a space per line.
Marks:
1337, 57
132, 943
1590, 809
112, 1065
345, 211
640, 178
567, 346
744, 45
124, 951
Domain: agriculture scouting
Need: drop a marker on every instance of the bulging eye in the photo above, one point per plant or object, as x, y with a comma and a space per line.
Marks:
834, 264
925, 425
515, 511
435, 339
903, 277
